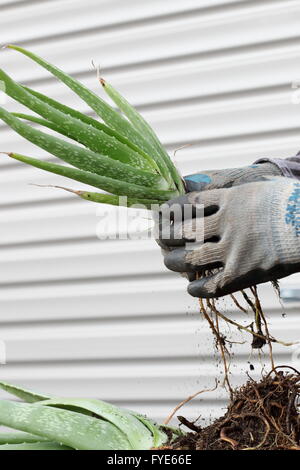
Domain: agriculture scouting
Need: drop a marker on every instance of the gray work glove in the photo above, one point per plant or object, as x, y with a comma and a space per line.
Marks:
214, 179
251, 233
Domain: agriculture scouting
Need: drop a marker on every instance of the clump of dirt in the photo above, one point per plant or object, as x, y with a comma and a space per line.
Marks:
260, 416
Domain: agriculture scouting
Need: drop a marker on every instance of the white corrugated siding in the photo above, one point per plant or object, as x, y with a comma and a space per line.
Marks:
104, 318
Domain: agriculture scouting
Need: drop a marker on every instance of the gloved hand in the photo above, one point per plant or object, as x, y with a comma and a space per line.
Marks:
251, 234
214, 179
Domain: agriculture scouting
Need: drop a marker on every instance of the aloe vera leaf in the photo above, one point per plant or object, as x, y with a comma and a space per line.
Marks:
47, 445
116, 201
158, 430
126, 420
107, 184
106, 112
66, 427
150, 204
139, 435
19, 438
91, 121
83, 158
23, 393
113, 199
159, 437
92, 138
55, 127
143, 128
38, 120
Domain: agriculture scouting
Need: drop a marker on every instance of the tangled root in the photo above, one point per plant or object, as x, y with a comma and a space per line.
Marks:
261, 416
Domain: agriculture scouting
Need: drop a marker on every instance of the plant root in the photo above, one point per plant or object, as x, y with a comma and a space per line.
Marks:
185, 401
258, 328
260, 416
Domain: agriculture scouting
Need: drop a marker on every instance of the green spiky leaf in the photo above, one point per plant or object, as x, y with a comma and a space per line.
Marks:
23, 393
19, 438
35, 446
107, 184
142, 126
111, 117
94, 139
113, 199
121, 156
91, 121
67, 427
137, 433
77, 423
81, 157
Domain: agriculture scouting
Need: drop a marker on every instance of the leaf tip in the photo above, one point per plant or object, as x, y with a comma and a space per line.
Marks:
10, 154
57, 187
15, 47
9, 46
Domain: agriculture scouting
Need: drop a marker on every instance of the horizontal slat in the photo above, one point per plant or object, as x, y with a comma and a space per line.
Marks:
78, 260
168, 380
99, 14
140, 340
102, 299
102, 342
144, 379
63, 221
71, 219
140, 298
7, 4
195, 79
237, 152
268, 115
196, 36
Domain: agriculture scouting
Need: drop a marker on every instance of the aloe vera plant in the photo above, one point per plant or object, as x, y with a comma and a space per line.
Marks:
51, 423
119, 154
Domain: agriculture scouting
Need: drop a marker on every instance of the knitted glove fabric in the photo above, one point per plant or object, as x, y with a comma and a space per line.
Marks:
251, 235
214, 179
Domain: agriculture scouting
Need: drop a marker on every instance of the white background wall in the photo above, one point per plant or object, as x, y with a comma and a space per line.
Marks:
105, 319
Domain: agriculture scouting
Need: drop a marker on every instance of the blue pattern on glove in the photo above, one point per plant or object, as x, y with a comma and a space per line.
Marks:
292, 215
199, 178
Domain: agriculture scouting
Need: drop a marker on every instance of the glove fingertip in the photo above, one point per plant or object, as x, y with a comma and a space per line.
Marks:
206, 287
175, 260
197, 289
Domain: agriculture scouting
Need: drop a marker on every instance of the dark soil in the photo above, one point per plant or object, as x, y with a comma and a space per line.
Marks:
261, 416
